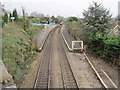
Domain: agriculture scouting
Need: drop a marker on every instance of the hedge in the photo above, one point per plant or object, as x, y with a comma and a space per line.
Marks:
107, 46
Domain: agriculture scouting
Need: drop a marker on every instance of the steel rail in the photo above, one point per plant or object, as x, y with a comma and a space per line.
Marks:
41, 80
66, 68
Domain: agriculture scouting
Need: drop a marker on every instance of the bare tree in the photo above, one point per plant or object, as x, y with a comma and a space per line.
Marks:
34, 14
60, 18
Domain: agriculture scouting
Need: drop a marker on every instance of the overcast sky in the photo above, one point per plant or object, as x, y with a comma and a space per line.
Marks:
59, 7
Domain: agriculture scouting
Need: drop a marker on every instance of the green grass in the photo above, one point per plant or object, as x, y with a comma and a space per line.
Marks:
17, 50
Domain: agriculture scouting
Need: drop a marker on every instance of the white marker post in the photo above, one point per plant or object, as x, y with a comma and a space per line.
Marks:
75, 42
12, 18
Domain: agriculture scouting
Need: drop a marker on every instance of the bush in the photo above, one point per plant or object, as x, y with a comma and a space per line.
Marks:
76, 30
3, 23
108, 47
14, 14
21, 56
5, 18
25, 23
72, 19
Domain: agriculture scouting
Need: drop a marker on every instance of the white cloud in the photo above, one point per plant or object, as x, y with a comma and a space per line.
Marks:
60, 7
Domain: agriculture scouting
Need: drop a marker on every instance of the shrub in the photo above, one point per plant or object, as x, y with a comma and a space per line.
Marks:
25, 23
5, 18
3, 23
108, 47
71, 19
76, 30
14, 14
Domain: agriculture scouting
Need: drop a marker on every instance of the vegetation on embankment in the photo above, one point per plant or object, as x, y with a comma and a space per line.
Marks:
93, 29
107, 46
17, 49
18, 44
19, 41
75, 29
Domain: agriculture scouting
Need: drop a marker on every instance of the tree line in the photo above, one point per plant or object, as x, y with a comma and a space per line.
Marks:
34, 17
7, 17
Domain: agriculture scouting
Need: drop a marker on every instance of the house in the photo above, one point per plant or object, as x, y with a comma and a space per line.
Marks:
115, 30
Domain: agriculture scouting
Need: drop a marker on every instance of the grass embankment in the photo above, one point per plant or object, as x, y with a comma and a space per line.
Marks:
17, 49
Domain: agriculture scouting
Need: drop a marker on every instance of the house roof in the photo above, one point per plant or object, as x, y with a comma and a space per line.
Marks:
117, 27
115, 30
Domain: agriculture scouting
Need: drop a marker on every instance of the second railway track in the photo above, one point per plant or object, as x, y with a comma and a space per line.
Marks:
67, 73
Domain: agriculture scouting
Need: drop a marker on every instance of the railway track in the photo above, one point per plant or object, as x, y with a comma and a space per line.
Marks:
51, 76
67, 73
43, 79
43, 72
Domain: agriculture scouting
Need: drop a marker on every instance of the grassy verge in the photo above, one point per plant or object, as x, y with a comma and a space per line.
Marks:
17, 49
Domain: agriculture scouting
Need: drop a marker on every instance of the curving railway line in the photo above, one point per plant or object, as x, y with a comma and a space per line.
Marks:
46, 73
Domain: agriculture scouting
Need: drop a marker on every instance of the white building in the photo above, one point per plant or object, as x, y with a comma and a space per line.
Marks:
115, 30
